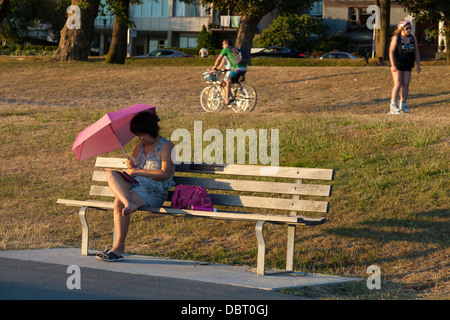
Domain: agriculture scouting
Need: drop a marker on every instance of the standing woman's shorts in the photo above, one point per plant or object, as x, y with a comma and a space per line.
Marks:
405, 66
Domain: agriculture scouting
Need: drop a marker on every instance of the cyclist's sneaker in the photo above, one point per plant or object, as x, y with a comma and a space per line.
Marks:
394, 108
403, 108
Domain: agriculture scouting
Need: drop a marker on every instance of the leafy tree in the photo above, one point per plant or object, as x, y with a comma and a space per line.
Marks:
75, 44
20, 15
4, 8
251, 12
431, 11
383, 35
292, 31
118, 48
205, 39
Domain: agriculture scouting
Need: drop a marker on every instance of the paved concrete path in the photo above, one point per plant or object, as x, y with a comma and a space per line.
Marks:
44, 273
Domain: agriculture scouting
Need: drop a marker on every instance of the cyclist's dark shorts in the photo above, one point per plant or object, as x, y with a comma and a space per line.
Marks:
235, 74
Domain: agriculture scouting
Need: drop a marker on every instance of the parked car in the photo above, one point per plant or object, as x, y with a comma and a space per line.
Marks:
277, 52
164, 53
338, 55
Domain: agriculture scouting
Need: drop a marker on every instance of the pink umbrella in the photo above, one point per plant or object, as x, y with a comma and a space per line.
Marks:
109, 133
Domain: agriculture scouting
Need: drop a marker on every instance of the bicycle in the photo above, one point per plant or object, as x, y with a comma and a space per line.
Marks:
212, 97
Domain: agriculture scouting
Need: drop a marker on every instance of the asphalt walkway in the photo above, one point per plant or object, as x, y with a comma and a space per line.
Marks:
48, 273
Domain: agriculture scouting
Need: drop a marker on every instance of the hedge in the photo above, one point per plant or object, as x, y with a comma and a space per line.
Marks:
22, 50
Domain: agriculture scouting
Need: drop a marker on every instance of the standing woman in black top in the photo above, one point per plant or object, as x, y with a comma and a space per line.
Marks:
403, 52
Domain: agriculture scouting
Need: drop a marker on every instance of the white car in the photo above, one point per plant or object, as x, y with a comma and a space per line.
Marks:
338, 55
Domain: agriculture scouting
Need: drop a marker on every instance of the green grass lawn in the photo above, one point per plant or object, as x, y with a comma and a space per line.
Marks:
390, 203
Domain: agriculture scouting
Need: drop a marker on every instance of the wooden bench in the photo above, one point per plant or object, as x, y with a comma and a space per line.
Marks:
236, 189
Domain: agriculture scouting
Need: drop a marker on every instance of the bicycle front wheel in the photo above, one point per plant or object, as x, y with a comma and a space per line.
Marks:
211, 99
245, 99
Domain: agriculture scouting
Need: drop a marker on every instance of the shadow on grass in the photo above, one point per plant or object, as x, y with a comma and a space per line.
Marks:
424, 228
323, 77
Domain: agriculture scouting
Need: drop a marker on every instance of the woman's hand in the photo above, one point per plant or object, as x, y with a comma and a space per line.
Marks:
394, 68
130, 164
133, 171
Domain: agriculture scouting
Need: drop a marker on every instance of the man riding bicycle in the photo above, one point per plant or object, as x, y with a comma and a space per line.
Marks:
236, 71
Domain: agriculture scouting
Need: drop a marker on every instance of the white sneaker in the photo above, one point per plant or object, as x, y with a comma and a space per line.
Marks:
403, 107
394, 108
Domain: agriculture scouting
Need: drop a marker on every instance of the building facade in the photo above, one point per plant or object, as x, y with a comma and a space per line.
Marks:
165, 23
173, 23
348, 18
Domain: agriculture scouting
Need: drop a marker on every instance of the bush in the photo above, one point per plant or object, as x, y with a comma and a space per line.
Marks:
292, 31
206, 39
333, 43
28, 50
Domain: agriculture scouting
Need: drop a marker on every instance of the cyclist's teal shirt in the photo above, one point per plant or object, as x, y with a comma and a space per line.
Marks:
227, 52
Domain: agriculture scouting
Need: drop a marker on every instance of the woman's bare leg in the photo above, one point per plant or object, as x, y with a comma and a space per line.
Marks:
397, 77
121, 222
406, 78
121, 189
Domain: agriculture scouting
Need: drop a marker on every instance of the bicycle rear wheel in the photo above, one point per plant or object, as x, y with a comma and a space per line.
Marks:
245, 99
211, 99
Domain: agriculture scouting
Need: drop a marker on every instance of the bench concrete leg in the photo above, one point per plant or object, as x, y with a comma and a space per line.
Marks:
290, 248
260, 266
84, 231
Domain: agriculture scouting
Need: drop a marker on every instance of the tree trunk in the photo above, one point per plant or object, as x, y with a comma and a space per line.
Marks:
383, 40
4, 8
75, 44
447, 37
247, 30
377, 38
118, 48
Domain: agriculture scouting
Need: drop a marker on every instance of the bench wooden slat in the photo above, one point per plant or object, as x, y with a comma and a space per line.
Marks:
270, 203
241, 216
245, 185
236, 169
257, 186
245, 201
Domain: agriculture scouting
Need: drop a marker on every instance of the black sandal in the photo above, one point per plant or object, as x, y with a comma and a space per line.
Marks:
109, 257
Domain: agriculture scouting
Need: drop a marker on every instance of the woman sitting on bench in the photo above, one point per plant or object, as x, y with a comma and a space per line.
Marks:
152, 168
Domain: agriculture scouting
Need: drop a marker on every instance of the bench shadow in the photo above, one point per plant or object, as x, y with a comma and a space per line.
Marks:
422, 228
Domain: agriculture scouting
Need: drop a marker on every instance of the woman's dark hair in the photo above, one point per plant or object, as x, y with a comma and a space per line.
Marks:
145, 122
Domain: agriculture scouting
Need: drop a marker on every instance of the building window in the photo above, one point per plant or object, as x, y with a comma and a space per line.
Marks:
317, 9
152, 8
357, 18
156, 44
181, 9
188, 42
